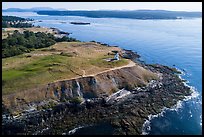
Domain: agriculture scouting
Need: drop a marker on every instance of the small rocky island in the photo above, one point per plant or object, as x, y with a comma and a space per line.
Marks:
119, 95
80, 23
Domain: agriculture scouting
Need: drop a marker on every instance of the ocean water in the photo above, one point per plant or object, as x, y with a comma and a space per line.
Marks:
175, 43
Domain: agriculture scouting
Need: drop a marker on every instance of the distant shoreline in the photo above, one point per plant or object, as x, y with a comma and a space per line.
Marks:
135, 14
132, 14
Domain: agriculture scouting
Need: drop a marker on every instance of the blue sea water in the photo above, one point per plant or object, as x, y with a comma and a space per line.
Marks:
169, 42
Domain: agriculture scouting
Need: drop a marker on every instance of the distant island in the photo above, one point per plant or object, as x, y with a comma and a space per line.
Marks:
134, 14
80, 23
35, 9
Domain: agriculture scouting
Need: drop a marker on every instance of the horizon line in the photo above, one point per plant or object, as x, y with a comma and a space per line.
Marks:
58, 9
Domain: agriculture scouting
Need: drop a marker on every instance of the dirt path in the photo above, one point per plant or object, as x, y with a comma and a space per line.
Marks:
131, 64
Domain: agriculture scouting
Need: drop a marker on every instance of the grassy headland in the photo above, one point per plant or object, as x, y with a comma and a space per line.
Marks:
63, 60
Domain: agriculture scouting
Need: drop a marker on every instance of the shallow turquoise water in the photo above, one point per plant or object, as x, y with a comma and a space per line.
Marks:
168, 42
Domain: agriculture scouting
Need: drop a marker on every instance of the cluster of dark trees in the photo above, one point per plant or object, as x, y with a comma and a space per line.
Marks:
16, 22
19, 43
16, 25
14, 18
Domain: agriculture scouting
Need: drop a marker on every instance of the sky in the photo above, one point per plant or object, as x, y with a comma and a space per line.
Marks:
175, 6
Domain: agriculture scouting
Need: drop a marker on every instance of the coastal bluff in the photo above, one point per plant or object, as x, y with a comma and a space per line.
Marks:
94, 86
81, 88
71, 70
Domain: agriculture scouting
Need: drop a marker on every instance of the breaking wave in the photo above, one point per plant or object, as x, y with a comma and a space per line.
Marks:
73, 130
146, 128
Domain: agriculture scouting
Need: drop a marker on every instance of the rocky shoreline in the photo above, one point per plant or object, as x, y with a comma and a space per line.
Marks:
124, 112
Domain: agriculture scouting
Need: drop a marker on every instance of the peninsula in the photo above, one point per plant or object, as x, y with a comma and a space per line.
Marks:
71, 84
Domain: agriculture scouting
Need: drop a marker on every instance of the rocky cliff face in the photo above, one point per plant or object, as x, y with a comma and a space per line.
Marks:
124, 111
100, 85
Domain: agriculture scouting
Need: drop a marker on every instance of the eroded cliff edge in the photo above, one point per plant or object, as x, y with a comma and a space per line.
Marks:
123, 98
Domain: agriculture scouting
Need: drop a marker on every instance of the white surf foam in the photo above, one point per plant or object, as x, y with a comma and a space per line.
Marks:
201, 120
73, 130
146, 128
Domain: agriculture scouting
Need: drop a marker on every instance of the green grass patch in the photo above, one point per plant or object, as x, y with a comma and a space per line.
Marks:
40, 71
76, 100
